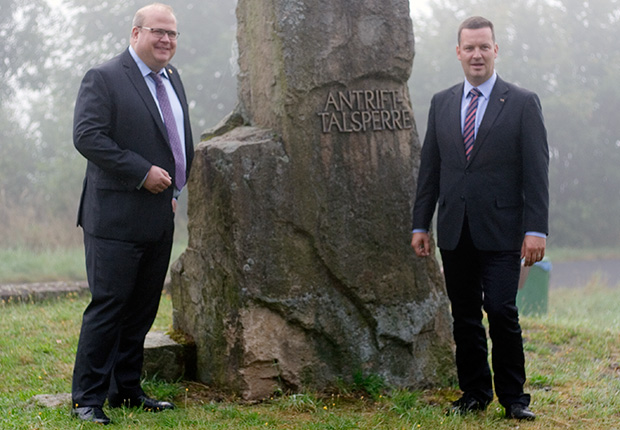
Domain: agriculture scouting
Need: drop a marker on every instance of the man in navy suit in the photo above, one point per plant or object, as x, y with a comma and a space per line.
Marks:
491, 190
139, 151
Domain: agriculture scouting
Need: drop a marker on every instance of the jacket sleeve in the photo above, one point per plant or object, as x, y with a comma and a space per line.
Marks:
535, 153
94, 122
427, 191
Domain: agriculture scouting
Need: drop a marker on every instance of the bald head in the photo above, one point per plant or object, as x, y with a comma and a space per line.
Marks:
142, 13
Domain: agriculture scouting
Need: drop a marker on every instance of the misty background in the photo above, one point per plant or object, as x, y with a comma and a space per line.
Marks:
565, 50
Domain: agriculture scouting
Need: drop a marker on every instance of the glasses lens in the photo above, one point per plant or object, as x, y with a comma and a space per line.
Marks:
160, 32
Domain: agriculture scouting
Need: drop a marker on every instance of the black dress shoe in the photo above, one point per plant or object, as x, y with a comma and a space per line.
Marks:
518, 411
91, 413
143, 402
467, 404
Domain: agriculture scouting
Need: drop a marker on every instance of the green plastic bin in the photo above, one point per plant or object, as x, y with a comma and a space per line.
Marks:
533, 294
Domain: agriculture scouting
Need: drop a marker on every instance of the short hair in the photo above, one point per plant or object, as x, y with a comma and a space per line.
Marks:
473, 23
140, 16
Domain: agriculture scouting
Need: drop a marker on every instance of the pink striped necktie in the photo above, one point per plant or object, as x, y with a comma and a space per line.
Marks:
173, 134
469, 129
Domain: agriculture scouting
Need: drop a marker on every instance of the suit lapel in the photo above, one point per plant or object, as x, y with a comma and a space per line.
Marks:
454, 112
175, 81
176, 84
136, 78
497, 100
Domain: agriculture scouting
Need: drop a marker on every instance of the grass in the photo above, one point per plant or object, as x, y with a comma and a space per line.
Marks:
573, 364
573, 254
22, 265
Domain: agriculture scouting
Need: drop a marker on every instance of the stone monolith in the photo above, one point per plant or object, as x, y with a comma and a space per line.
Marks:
299, 272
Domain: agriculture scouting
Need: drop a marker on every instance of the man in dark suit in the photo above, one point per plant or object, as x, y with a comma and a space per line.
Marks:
132, 125
485, 163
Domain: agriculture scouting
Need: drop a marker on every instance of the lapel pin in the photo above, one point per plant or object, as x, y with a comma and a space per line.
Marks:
502, 100
170, 71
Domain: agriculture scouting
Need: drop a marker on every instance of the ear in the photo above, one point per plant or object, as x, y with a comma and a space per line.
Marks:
134, 33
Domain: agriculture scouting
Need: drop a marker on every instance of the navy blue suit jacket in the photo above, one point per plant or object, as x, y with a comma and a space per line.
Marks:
503, 189
119, 130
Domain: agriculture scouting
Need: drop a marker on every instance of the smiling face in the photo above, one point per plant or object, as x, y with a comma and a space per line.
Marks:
155, 51
477, 52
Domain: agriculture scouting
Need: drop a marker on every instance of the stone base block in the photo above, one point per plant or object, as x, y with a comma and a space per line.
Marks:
166, 359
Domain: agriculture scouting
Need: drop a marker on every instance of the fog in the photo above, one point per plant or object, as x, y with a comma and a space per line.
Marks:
562, 49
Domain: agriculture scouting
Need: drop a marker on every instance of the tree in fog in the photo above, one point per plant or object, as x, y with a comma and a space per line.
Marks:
30, 34
565, 51
562, 49
19, 71
203, 53
44, 56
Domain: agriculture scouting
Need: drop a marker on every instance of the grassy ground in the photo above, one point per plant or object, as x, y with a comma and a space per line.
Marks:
572, 254
22, 265
573, 359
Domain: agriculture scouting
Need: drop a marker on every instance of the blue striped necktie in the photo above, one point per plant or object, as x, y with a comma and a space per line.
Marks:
469, 129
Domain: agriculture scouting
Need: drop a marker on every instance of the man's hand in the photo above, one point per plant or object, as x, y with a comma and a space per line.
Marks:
157, 180
421, 244
533, 249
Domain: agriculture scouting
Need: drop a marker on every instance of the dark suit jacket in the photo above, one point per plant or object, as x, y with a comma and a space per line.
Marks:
118, 128
503, 188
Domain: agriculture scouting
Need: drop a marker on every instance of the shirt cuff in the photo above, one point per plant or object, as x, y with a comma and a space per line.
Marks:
535, 233
143, 181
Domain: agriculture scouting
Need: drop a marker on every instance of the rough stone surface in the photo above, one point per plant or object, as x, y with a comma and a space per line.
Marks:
299, 271
164, 358
52, 400
34, 292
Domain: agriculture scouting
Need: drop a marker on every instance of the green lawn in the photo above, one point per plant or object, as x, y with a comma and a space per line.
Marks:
21, 265
573, 364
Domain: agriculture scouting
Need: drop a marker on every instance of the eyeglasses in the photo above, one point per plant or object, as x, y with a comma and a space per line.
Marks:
160, 32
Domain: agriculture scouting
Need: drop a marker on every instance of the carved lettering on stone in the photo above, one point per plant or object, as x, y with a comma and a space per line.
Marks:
359, 111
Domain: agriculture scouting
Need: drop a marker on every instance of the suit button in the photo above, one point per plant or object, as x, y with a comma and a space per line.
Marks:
462, 197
